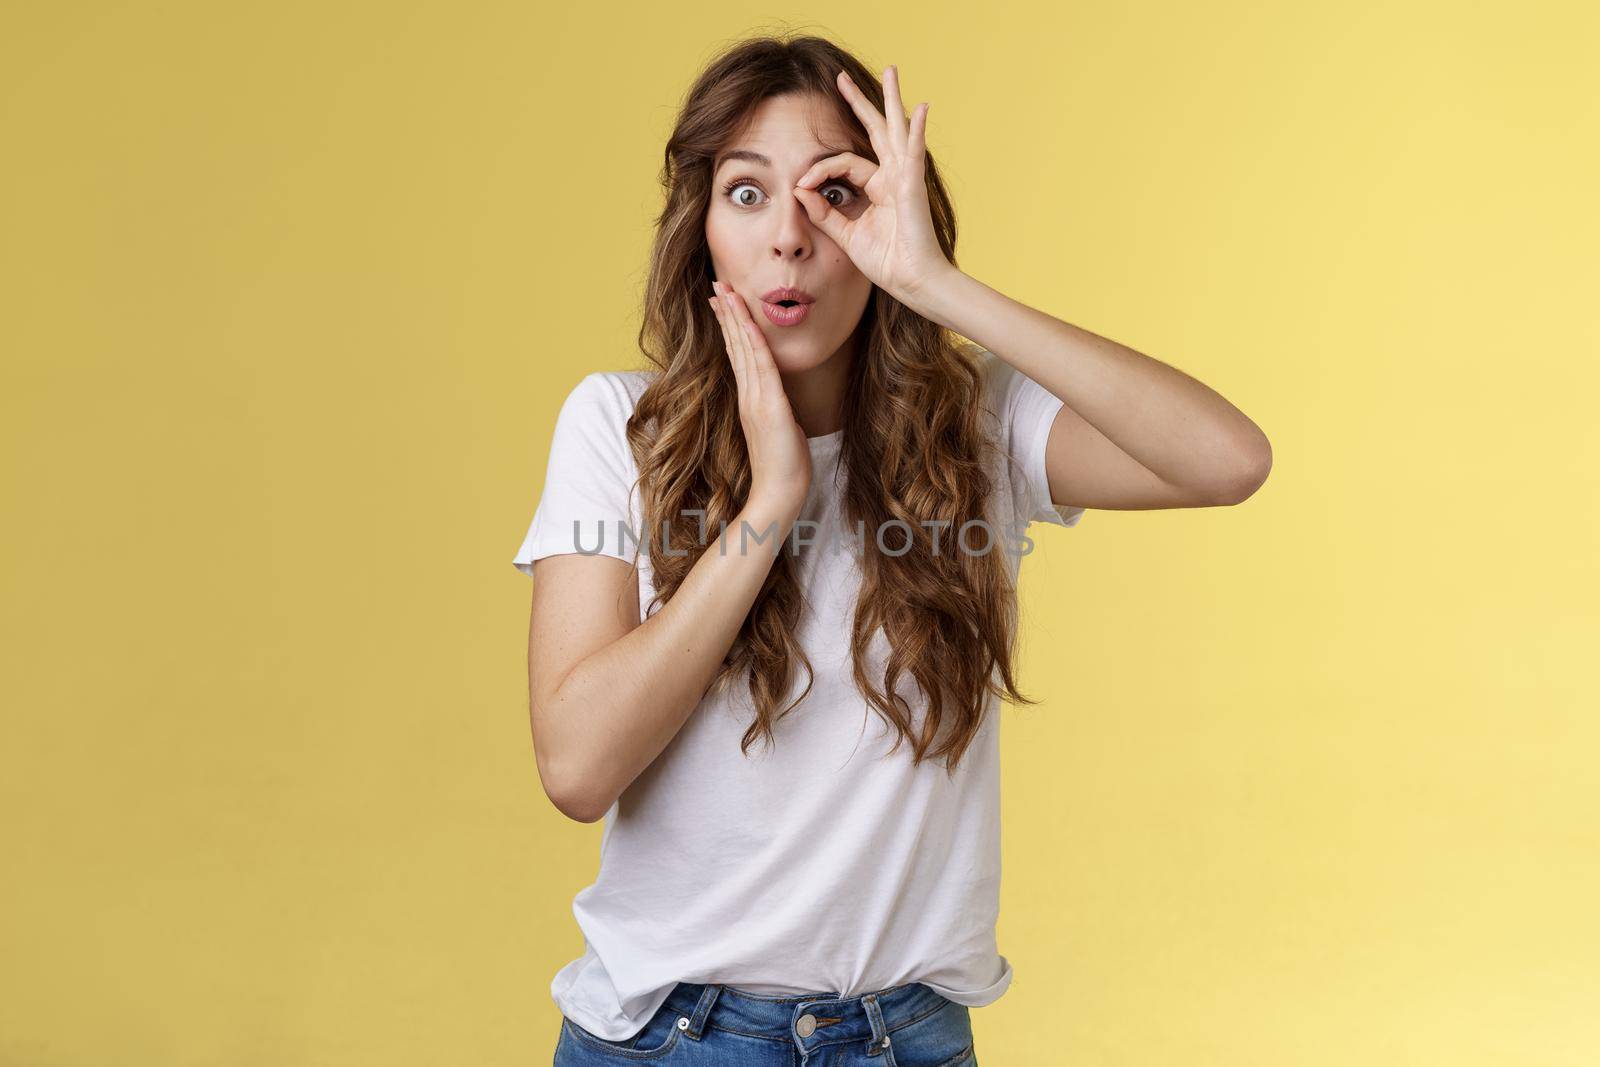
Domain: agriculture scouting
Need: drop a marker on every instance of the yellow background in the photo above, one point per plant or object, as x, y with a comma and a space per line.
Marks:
293, 291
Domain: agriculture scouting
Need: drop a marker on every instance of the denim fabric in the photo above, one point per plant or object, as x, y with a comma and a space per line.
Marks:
711, 1025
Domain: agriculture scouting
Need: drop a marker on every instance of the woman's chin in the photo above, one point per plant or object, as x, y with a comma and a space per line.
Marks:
798, 357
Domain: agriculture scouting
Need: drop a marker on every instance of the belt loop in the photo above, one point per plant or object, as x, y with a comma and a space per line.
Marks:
697, 1021
880, 1033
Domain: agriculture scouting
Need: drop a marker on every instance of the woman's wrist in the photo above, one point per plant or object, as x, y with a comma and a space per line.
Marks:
765, 520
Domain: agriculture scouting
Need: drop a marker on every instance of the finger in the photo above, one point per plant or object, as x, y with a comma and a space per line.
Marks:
727, 345
870, 116
741, 345
760, 363
741, 341
917, 137
895, 108
750, 336
760, 355
718, 308
824, 216
858, 170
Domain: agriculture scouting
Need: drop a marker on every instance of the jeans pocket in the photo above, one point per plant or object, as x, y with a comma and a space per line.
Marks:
655, 1040
941, 1038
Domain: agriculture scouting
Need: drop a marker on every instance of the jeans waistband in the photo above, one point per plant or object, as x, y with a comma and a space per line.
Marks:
811, 1021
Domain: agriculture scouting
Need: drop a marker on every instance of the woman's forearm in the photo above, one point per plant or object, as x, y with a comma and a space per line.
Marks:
617, 709
1178, 427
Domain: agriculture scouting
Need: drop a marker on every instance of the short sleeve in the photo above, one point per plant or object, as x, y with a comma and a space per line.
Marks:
1026, 411
586, 503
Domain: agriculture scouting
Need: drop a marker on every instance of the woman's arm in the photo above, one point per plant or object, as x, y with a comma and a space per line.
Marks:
1135, 432
607, 692
1146, 435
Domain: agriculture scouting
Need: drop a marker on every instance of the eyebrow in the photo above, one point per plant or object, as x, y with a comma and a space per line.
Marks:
756, 157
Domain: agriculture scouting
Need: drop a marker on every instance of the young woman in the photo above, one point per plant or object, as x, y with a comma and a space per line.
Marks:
774, 607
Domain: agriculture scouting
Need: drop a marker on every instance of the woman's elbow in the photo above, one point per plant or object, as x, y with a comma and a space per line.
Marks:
1250, 474
580, 808
576, 797
574, 788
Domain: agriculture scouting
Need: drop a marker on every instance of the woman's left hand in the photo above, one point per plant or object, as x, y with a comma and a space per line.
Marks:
892, 242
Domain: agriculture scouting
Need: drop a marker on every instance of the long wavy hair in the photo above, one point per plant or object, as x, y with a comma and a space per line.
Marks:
913, 447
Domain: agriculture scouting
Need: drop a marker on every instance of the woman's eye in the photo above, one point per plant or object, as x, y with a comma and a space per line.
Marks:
740, 198
838, 185
748, 194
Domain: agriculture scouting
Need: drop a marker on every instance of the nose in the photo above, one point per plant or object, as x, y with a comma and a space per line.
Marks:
794, 237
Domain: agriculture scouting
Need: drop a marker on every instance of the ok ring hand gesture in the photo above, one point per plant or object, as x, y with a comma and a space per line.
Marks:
892, 242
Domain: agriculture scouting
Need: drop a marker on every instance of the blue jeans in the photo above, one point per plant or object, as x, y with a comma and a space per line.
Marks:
714, 1026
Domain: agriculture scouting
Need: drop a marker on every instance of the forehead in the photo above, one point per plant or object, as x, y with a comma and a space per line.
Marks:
789, 130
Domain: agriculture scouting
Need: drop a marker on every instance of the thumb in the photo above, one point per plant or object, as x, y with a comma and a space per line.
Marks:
823, 215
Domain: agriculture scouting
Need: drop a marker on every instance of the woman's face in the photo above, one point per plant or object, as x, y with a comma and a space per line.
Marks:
761, 238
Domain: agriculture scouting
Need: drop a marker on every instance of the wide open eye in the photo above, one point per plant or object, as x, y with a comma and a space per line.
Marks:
739, 198
849, 189
733, 191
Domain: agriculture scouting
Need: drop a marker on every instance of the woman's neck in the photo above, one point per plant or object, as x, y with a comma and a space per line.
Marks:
817, 394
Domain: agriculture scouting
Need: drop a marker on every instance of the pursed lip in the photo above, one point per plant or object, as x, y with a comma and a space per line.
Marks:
788, 293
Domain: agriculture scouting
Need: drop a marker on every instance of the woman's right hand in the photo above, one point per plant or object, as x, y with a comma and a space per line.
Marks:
780, 458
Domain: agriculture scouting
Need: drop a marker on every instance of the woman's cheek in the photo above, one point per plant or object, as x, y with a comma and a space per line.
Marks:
716, 231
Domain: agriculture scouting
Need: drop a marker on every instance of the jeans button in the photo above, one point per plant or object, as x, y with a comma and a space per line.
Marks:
806, 1025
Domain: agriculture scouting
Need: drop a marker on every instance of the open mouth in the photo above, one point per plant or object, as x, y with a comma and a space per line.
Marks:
785, 312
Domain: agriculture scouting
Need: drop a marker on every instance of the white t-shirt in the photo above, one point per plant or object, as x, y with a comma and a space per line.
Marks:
821, 864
